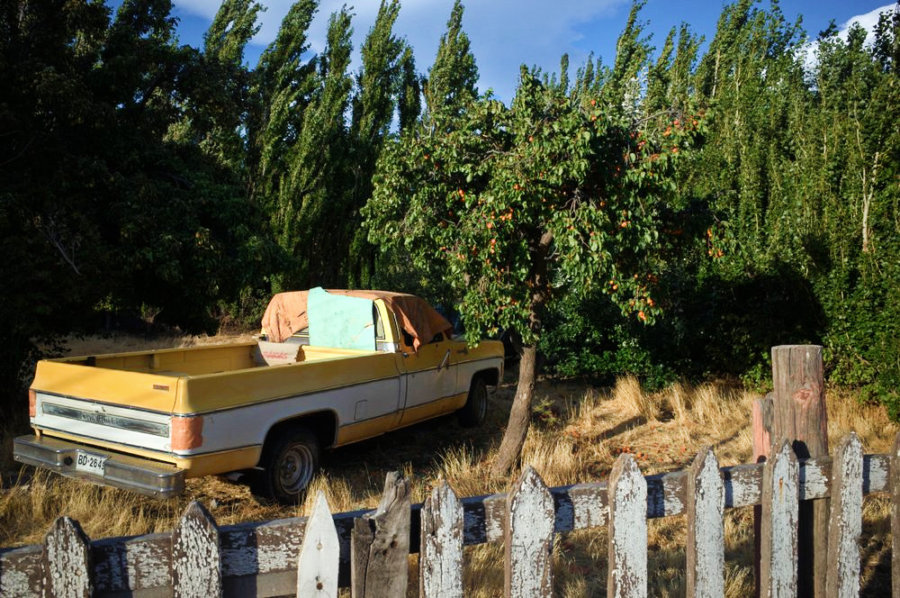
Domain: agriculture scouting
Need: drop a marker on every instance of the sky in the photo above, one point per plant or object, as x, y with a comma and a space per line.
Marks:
508, 33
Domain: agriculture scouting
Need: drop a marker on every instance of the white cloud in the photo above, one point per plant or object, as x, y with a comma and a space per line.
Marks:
504, 33
867, 21
201, 8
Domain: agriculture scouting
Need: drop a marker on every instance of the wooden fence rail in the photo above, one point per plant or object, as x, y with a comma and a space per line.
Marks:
367, 550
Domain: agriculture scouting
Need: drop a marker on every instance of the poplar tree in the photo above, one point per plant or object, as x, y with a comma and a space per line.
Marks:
623, 85
451, 82
216, 120
285, 80
374, 107
316, 233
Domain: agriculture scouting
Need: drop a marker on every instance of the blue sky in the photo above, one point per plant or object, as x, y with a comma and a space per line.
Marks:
507, 33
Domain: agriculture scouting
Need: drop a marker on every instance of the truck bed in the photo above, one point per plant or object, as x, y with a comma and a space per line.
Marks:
185, 380
198, 361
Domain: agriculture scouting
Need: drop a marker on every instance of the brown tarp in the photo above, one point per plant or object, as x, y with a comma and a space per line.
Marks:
286, 314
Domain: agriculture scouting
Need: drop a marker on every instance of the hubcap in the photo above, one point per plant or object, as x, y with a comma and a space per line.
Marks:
296, 468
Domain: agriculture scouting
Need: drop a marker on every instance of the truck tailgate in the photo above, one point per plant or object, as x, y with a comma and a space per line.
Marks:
138, 390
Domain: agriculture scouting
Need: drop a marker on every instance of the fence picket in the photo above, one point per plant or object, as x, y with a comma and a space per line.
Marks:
317, 567
379, 544
627, 530
66, 561
264, 557
705, 508
196, 562
441, 550
780, 506
845, 526
529, 538
894, 489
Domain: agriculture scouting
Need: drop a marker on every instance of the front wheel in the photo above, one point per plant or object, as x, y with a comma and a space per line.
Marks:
474, 411
288, 463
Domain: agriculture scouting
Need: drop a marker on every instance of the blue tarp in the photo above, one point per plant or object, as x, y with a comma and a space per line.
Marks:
339, 321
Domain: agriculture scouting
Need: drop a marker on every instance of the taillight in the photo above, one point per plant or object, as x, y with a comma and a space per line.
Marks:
32, 403
187, 433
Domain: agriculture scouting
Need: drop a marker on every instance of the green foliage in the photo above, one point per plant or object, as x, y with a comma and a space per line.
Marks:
518, 206
452, 79
671, 214
102, 206
588, 336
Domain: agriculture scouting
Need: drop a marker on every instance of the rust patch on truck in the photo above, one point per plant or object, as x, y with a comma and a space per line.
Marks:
187, 433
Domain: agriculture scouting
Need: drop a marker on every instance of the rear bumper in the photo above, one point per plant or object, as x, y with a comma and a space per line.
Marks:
121, 471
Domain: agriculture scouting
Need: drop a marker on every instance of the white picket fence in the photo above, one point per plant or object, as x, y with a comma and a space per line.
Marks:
368, 550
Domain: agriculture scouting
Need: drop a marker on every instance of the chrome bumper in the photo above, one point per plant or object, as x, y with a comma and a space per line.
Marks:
121, 471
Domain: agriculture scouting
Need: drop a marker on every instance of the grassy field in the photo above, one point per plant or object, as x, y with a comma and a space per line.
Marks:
577, 433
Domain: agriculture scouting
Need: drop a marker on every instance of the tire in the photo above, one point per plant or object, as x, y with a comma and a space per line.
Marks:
474, 411
289, 461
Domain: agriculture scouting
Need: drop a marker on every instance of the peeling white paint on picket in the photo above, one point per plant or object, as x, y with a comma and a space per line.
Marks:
705, 552
264, 559
441, 550
780, 512
814, 479
16, 584
627, 530
196, 561
66, 561
529, 539
845, 526
317, 567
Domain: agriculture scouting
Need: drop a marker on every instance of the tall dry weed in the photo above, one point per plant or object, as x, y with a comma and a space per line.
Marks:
634, 400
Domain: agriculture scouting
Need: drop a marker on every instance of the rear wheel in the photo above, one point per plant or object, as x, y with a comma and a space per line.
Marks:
474, 411
289, 462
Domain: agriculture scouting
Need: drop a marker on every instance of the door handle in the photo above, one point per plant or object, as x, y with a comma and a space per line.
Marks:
445, 360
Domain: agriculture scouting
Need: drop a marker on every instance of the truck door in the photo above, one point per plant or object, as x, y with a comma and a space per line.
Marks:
430, 378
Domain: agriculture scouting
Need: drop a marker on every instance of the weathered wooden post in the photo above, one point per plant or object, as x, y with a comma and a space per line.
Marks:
800, 417
379, 544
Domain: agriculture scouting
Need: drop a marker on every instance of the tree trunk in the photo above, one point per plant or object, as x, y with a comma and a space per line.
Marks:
519, 415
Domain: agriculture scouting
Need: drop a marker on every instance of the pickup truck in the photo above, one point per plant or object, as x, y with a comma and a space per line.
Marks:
336, 367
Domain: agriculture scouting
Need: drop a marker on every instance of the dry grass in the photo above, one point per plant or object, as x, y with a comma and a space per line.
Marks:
577, 433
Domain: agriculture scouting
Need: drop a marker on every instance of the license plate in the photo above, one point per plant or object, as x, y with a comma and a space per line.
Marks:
89, 463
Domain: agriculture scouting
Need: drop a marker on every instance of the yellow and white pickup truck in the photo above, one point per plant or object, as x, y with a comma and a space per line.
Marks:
336, 367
